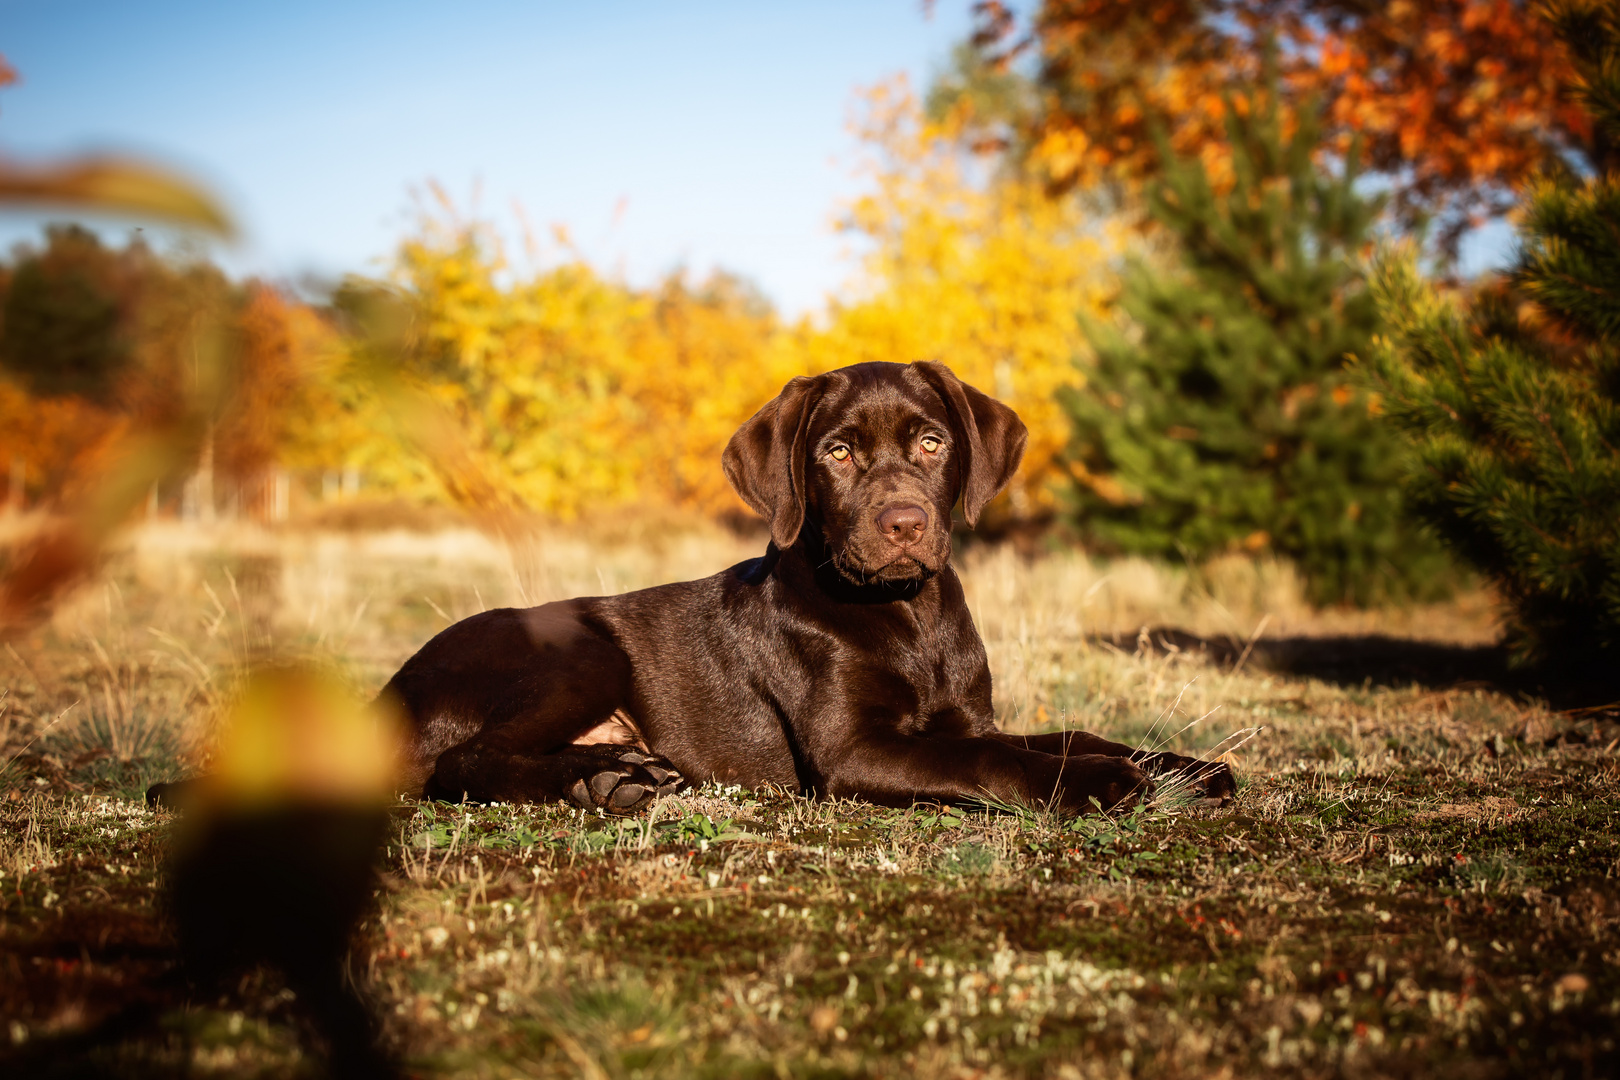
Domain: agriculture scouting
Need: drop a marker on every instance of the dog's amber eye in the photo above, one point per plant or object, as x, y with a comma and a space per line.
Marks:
839, 453
930, 444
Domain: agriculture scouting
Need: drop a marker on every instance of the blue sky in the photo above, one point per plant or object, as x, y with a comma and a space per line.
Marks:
719, 127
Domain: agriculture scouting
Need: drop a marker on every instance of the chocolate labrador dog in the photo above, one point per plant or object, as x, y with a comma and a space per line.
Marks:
841, 662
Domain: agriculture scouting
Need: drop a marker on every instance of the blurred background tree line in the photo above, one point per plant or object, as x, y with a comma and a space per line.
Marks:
570, 391
1146, 224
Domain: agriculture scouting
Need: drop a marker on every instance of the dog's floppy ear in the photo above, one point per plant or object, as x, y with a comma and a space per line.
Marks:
765, 458
990, 434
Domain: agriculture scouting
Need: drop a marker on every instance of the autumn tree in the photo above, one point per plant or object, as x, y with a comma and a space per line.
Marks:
1456, 102
282, 344
722, 355
84, 331
1219, 414
140, 455
551, 389
977, 268
1511, 399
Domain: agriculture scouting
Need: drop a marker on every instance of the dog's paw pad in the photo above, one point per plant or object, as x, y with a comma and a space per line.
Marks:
631, 780
627, 795
618, 791
672, 782
667, 776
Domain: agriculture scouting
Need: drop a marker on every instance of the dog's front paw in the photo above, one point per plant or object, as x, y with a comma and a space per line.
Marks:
626, 784
1216, 782
668, 778
1208, 783
1101, 782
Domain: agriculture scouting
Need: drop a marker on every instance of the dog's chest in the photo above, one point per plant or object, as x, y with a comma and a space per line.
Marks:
939, 683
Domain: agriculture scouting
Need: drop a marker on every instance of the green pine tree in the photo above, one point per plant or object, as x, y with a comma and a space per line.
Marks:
1510, 399
1222, 415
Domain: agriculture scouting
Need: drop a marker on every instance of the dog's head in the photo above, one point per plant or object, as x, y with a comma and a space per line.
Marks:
875, 455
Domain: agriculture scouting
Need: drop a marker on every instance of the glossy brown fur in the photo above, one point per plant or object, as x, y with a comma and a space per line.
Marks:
842, 662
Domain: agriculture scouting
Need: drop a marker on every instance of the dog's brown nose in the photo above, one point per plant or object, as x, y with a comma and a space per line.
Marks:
903, 525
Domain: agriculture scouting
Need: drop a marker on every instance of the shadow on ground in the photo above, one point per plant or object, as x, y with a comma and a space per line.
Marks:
1381, 660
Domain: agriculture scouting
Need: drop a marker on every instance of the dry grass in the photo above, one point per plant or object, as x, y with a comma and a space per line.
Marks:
1417, 877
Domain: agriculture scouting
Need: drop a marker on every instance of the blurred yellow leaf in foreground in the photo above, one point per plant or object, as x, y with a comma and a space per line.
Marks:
296, 734
113, 185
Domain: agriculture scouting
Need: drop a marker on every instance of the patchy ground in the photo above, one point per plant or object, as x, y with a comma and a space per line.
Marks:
1417, 878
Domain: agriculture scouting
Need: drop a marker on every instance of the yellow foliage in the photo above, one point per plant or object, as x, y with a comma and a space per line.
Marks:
540, 374
575, 392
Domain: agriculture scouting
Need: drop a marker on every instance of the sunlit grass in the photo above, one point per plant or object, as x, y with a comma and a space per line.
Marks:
1412, 879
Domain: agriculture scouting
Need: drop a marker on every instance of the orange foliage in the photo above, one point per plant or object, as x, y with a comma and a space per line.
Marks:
1111, 70
61, 431
1468, 96
723, 357
53, 440
279, 342
1458, 101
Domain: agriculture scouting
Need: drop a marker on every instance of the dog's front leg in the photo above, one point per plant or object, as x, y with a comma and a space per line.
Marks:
897, 770
1209, 780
